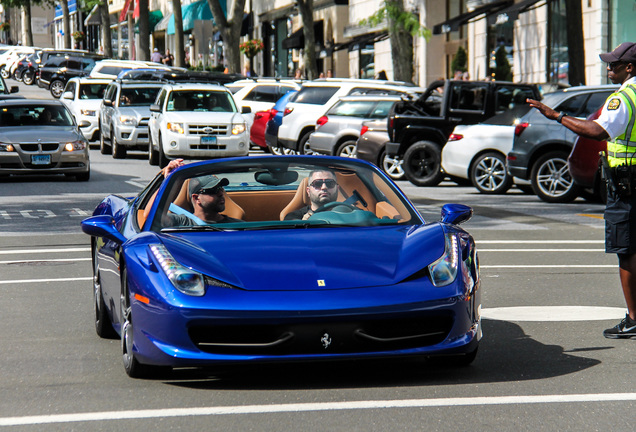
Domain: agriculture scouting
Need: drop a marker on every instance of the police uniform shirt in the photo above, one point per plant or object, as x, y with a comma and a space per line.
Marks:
615, 115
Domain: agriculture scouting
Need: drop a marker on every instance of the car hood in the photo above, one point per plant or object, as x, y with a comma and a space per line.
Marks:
204, 117
310, 259
138, 111
92, 104
18, 134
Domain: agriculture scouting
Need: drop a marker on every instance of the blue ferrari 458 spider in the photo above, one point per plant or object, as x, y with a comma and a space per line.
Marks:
280, 259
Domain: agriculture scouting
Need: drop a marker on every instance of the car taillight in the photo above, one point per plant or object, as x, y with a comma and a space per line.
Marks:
260, 114
364, 129
455, 137
322, 120
272, 113
520, 128
287, 111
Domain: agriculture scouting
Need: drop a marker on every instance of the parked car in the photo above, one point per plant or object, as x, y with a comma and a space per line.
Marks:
478, 152
257, 131
380, 282
124, 115
314, 97
112, 68
195, 121
338, 129
24, 64
12, 55
55, 73
273, 124
83, 97
583, 163
371, 146
541, 146
41, 137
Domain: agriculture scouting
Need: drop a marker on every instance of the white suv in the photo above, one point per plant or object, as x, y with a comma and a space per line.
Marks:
195, 121
260, 94
314, 97
83, 97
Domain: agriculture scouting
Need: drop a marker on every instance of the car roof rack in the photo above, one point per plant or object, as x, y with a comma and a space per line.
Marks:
150, 74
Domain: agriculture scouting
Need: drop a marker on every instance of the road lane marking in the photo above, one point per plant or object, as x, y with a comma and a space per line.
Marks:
314, 407
546, 266
553, 313
540, 250
539, 241
17, 281
31, 251
45, 260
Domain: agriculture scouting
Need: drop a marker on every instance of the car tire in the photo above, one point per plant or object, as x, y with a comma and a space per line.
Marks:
162, 159
551, 179
57, 88
489, 174
4, 72
103, 147
119, 151
103, 325
423, 163
153, 155
347, 149
303, 146
17, 75
392, 166
27, 77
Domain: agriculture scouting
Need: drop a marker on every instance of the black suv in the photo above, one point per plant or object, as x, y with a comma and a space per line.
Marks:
541, 146
59, 69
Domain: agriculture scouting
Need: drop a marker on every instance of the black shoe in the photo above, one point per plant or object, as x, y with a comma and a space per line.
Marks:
624, 330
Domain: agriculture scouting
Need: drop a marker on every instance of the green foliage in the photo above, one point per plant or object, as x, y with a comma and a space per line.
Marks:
503, 71
393, 11
460, 60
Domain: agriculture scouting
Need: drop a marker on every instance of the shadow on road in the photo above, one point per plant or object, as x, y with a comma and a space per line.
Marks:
505, 354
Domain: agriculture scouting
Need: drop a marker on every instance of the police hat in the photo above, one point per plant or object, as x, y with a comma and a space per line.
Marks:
625, 52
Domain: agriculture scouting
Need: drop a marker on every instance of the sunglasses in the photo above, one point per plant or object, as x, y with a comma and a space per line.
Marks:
212, 191
614, 65
317, 184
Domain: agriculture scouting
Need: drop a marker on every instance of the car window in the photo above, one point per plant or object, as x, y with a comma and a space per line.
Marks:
263, 94
92, 91
73, 63
110, 92
138, 96
469, 97
315, 95
35, 116
283, 90
54, 61
161, 98
573, 105
594, 102
70, 87
352, 108
507, 97
201, 100
88, 64
382, 109
373, 90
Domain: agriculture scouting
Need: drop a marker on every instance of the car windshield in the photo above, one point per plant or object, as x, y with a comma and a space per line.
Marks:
35, 115
138, 96
201, 100
92, 91
279, 193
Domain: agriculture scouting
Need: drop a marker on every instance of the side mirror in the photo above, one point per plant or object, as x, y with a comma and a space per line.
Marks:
68, 95
155, 108
246, 110
103, 226
108, 102
456, 213
14, 89
84, 123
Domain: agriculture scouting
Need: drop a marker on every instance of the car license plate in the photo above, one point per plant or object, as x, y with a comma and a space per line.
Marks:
208, 140
41, 159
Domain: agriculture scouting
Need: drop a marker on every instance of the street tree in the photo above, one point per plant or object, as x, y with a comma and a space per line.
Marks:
306, 9
230, 28
403, 26
144, 31
576, 50
25, 16
179, 58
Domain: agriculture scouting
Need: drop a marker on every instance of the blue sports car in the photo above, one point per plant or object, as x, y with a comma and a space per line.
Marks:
280, 259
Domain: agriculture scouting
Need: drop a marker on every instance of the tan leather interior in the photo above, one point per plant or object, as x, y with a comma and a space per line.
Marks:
184, 200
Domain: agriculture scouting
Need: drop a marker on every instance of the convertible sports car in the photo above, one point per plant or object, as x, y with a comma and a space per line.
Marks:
363, 277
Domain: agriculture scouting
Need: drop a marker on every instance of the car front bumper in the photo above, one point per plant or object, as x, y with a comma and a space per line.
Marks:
132, 136
61, 162
191, 146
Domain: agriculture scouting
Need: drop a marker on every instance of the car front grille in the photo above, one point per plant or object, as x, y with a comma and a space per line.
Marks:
208, 129
208, 146
144, 121
35, 147
340, 337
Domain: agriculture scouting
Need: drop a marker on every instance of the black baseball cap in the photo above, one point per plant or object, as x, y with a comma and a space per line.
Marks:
625, 52
206, 182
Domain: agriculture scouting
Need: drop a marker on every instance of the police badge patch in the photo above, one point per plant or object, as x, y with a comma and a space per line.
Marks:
614, 104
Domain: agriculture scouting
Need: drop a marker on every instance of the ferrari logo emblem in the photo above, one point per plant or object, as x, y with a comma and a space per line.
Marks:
321, 282
326, 340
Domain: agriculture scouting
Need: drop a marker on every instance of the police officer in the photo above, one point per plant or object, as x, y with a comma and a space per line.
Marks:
616, 126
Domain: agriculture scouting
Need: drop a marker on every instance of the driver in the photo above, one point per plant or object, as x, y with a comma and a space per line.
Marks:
322, 189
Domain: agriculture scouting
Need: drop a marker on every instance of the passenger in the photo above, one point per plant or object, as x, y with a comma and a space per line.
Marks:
208, 201
45, 117
125, 99
322, 188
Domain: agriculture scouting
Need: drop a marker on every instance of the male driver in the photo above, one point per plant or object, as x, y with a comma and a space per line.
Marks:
322, 189
208, 202
616, 125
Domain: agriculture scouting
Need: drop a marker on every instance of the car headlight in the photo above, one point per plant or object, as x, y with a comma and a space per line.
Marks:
176, 128
444, 271
238, 128
6, 147
74, 146
128, 120
182, 278
88, 113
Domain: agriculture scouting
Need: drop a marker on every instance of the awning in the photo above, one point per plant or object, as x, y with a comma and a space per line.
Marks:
194, 11
154, 17
296, 40
362, 40
511, 13
453, 24
163, 24
93, 17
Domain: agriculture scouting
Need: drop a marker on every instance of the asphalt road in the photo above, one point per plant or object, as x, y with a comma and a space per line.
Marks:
548, 292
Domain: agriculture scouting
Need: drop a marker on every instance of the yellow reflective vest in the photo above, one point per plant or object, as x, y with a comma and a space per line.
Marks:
622, 149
